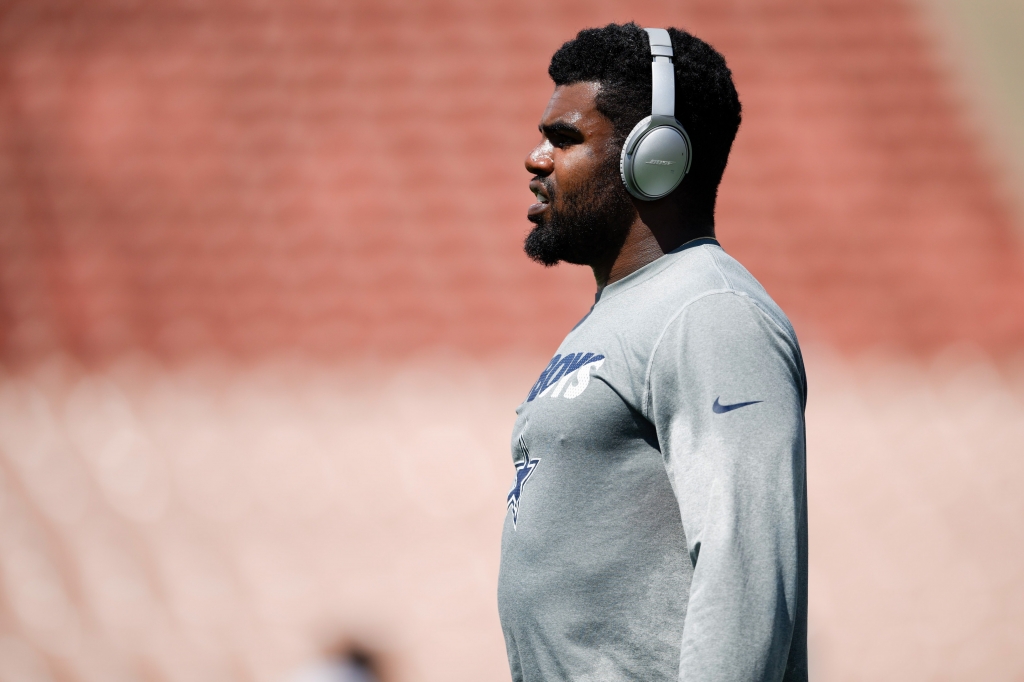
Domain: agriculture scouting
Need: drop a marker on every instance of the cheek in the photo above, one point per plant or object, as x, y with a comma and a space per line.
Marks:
577, 168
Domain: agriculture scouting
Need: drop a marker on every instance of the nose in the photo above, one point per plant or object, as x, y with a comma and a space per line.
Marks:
540, 161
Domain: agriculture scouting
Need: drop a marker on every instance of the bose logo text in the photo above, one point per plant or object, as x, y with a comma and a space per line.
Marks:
659, 162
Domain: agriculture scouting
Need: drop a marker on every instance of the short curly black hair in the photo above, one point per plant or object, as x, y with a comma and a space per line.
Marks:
618, 57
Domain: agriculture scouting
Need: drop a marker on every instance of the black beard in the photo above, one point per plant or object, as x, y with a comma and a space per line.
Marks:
591, 225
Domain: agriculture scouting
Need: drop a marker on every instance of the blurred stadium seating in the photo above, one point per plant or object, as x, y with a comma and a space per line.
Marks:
264, 317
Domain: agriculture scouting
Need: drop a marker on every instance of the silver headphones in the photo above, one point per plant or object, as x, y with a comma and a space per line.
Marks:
657, 153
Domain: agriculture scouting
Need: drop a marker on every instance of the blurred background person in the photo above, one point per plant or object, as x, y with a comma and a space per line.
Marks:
354, 665
246, 248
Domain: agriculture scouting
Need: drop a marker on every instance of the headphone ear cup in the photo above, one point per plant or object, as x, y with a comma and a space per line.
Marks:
655, 158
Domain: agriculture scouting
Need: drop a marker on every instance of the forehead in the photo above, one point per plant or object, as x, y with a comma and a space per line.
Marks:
574, 104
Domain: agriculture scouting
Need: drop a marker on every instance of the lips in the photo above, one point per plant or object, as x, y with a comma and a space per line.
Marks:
542, 196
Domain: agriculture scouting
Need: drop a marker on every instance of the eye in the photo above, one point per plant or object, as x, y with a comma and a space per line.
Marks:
561, 141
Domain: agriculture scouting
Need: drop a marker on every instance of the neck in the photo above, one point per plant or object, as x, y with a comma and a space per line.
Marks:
659, 227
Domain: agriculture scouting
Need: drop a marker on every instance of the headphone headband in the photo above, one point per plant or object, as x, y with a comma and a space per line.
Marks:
663, 73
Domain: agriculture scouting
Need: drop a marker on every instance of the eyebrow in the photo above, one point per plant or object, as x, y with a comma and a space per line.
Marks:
562, 128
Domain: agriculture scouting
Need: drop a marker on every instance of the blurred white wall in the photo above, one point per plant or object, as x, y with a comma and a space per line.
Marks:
206, 524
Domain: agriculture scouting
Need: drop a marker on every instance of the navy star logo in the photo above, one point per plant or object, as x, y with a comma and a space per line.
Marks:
524, 470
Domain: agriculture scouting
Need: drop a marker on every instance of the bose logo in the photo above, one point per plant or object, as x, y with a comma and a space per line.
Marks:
659, 162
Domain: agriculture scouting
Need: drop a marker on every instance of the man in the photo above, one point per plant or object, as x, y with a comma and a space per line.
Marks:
657, 527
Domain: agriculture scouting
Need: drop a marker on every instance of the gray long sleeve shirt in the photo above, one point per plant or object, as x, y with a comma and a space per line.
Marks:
657, 527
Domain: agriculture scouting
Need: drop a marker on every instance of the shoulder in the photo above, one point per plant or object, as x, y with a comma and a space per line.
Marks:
701, 290
727, 317
712, 291
733, 328
738, 281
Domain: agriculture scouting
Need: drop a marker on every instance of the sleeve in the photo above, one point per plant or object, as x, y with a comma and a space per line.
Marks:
726, 393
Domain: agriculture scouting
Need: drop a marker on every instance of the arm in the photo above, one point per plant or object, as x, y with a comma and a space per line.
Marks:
739, 477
